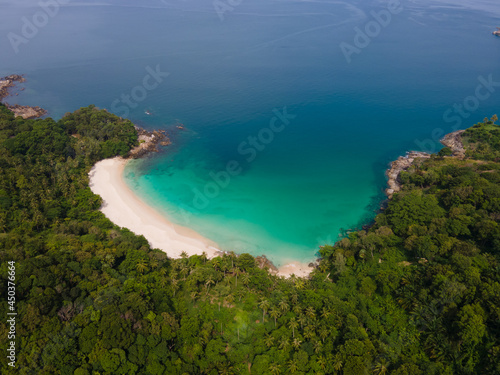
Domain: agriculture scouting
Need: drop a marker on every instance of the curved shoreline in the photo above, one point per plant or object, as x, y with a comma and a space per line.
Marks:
125, 209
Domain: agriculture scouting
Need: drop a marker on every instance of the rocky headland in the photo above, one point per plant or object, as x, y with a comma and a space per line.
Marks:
452, 140
399, 165
7, 82
148, 142
25, 111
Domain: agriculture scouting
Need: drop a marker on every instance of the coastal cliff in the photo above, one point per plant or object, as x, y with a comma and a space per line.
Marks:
452, 140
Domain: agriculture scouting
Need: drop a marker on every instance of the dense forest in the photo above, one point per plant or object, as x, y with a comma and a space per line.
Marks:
416, 293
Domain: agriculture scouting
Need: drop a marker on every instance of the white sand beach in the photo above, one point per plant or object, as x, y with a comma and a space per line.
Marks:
296, 268
125, 209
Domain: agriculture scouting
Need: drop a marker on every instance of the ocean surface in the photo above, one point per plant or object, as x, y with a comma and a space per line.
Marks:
290, 110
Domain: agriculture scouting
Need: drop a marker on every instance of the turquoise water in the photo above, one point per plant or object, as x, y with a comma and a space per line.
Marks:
323, 173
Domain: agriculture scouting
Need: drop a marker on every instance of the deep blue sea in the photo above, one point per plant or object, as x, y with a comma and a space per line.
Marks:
291, 109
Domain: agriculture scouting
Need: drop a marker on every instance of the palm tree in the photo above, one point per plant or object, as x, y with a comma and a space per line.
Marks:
163, 271
218, 294
184, 255
141, 266
317, 346
153, 263
323, 333
275, 313
337, 363
295, 298
225, 268
232, 256
163, 282
175, 285
302, 319
193, 296
310, 312
321, 362
284, 344
323, 266
381, 367
296, 343
236, 272
226, 370
246, 279
274, 368
293, 324
240, 294
292, 366
283, 305
297, 309
208, 282
185, 270
264, 305
309, 333
269, 340
216, 263
325, 313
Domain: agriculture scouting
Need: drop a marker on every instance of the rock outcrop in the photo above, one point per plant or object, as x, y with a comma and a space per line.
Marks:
264, 263
399, 165
451, 140
7, 82
454, 142
25, 111
148, 142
